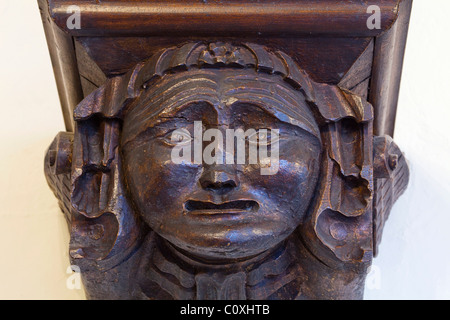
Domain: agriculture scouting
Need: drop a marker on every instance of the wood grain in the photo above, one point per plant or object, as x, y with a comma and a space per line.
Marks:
249, 18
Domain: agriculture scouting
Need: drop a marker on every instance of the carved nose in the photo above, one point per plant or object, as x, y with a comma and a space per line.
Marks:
219, 181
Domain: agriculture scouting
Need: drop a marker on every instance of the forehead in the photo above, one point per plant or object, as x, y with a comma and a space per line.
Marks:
219, 92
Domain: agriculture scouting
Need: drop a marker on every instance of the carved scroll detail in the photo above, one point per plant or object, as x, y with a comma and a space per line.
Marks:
391, 175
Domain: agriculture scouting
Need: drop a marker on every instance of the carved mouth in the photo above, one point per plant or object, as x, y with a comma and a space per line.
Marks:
209, 208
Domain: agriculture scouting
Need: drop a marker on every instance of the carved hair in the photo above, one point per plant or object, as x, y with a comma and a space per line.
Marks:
339, 219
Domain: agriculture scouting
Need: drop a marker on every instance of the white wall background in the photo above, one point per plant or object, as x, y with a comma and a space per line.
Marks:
414, 260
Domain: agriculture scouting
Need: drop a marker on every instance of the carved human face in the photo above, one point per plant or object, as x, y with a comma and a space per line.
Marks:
219, 211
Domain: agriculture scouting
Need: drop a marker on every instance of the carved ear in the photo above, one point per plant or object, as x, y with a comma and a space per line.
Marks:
95, 146
342, 218
350, 192
104, 224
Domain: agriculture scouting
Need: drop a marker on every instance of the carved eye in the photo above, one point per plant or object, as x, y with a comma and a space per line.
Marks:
264, 137
178, 137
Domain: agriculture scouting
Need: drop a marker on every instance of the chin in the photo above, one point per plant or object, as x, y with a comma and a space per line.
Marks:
236, 244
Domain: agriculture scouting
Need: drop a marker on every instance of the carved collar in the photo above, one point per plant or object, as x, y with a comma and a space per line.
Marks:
165, 273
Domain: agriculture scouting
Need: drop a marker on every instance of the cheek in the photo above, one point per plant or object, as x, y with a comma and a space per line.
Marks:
291, 181
155, 182
294, 184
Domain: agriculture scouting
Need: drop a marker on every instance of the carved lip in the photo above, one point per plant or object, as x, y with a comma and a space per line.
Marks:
225, 208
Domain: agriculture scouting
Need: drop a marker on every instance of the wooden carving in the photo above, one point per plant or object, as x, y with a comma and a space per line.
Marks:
144, 226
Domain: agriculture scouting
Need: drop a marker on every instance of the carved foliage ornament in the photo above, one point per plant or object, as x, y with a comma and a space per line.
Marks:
308, 232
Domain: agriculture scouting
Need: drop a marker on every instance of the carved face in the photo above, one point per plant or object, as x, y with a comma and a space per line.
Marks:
220, 211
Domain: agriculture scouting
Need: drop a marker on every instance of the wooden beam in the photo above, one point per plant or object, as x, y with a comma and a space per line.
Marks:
196, 18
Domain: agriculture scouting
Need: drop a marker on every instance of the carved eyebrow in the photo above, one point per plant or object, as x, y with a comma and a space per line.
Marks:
187, 113
277, 99
190, 112
168, 93
272, 108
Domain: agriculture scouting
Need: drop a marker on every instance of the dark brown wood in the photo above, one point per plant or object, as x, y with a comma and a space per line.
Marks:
391, 175
230, 17
328, 64
91, 76
326, 38
387, 71
357, 79
144, 226
64, 64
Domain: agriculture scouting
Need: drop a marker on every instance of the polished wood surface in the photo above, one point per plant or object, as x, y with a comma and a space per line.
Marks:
216, 18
